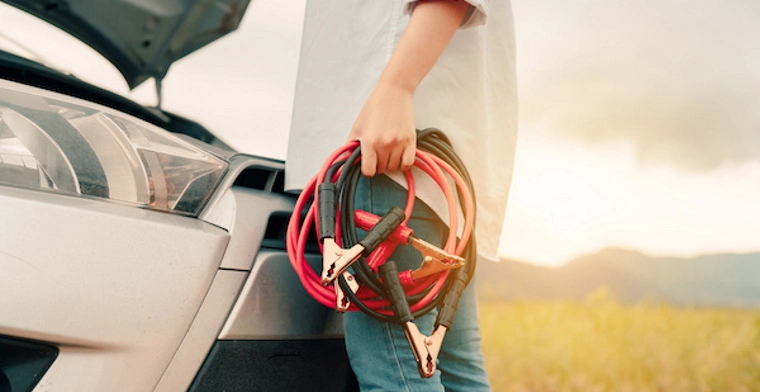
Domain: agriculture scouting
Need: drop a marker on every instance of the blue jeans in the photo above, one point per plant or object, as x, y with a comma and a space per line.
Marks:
378, 351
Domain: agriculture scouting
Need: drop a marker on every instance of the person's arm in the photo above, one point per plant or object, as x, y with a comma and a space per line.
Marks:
385, 126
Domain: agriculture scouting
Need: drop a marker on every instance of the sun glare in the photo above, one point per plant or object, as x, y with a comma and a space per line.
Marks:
571, 199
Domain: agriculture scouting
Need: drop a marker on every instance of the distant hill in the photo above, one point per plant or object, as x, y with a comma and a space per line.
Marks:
630, 276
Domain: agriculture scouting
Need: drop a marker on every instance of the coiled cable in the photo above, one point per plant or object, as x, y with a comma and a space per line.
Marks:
341, 170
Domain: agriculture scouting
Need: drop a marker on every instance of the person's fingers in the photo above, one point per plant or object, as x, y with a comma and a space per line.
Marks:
407, 159
369, 161
382, 161
395, 159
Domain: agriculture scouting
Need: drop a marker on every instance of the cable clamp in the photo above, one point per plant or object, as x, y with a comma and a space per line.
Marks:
434, 258
336, 260
432, 265
430, 251
341, 299
424, 348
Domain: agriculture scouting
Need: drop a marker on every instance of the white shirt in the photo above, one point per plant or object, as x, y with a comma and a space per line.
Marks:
470, 94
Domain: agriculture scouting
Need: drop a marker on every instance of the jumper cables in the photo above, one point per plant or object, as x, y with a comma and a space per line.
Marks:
376, 287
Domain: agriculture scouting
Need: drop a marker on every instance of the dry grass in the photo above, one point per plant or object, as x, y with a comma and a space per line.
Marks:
601, 345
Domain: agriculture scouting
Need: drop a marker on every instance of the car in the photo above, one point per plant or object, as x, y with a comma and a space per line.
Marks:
138, 251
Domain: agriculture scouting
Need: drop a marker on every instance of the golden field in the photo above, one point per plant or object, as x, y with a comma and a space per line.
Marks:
600, 345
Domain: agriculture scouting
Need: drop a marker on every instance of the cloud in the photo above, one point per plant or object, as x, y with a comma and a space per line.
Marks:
697, 124
681, 86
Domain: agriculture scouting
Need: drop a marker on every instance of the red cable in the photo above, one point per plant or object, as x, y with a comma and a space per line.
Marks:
297, 233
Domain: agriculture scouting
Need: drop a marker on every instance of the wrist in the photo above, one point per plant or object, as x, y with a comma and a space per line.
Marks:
397, 82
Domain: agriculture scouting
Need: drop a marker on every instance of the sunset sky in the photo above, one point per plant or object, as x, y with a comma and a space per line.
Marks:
639, 128
639, 121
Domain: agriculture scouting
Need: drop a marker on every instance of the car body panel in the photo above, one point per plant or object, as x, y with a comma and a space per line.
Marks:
252, 209
274, 305
203, 332
271, 305
137, 299
116, 288
142, 38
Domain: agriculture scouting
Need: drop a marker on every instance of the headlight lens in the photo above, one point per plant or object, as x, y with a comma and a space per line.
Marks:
61, 144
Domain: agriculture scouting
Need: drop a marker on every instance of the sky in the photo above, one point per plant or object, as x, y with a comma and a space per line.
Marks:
639, 128
639, 121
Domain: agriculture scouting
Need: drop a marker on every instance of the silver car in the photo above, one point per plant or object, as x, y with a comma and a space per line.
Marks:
137, 251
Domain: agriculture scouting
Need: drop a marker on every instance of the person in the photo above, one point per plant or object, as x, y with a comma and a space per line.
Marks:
374, 71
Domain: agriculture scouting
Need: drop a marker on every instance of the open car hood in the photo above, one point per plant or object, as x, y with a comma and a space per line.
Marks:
142, 38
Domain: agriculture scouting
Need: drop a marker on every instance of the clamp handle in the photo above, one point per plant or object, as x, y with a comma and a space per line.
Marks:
327, 207
395, 292
448, 309
418, 343
382, 229
365, 220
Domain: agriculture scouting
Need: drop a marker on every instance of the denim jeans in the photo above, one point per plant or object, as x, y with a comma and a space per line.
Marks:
378, 351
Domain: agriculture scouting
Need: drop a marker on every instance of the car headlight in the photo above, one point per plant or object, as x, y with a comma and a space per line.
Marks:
56, 143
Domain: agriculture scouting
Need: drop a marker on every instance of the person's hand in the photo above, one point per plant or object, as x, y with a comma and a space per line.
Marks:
386, 131
385, 126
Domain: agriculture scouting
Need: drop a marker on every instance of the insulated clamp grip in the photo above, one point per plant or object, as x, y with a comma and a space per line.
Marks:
395, 292
327, 207
382, 229
448, 309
